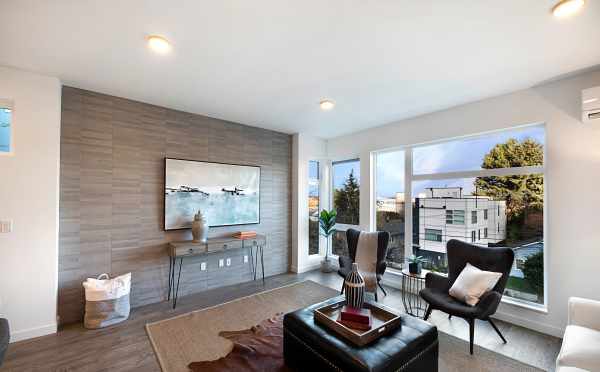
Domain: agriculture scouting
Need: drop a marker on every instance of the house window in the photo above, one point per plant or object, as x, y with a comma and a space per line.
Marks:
454, 178
520, 264
389, 209
5, 129
314, 185
433, 235
455, 217
346, 200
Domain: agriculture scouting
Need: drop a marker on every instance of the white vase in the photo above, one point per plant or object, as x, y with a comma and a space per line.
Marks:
199, 228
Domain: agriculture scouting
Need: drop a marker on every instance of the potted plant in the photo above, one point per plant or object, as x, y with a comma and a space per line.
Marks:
415, 264
327, 228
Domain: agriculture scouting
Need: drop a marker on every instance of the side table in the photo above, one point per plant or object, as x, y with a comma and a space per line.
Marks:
411, 285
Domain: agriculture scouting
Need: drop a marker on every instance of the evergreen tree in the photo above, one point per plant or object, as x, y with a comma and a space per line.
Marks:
521, 192
347, 201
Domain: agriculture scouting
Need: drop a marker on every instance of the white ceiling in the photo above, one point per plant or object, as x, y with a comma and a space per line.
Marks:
268, 62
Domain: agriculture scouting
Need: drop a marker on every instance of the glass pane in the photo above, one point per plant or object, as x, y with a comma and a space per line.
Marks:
339, 245
390, 203
313, 207
5, 129
346, 192
512, 148
510, 213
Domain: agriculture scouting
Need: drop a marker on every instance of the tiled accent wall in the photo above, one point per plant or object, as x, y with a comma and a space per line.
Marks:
111, 195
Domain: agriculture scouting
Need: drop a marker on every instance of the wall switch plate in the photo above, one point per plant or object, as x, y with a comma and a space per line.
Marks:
221, 262
203, 266
228, 261
245, 258
6, 226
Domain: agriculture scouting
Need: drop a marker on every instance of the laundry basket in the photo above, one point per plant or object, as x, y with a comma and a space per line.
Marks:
106, 300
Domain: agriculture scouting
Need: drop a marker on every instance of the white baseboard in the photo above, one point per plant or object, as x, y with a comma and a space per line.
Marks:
305, 268
26, 334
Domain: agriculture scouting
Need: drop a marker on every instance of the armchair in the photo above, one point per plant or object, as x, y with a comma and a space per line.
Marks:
345, 263
437, 286
580, 350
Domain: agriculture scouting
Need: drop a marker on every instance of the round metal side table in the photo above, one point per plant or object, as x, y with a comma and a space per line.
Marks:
411, 285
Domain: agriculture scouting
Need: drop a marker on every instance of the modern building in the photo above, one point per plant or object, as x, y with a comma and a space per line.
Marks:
445, 213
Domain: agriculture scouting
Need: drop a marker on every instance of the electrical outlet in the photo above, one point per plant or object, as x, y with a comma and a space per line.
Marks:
6, 226
245, 258
221, 262
228, 261
203, 266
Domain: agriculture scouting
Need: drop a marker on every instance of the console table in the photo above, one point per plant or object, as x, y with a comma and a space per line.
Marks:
184, 249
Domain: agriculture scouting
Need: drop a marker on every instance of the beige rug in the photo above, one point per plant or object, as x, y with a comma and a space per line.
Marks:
194, 336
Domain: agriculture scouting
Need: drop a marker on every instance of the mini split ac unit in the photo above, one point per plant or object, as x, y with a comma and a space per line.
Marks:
590, 105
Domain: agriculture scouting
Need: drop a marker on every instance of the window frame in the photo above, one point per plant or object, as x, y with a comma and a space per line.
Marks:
410, 178
319, 185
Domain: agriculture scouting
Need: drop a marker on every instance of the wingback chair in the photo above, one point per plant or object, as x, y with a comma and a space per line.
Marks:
352, 235
436, 289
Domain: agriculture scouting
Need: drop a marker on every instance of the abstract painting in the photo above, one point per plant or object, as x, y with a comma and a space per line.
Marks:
226, 194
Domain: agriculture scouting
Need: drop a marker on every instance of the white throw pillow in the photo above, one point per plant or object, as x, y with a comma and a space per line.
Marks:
472, 283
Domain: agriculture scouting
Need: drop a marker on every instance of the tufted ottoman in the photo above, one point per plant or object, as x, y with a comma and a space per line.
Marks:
308, 346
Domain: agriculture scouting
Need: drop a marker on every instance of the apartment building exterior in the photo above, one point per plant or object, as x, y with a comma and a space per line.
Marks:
445, 213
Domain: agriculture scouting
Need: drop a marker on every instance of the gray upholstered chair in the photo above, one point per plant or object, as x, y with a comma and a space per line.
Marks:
345, 263
436, 289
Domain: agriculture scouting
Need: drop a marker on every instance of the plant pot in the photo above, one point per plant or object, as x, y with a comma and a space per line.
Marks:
414, 268
327, 266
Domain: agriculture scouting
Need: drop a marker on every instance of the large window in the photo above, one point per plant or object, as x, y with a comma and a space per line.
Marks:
486, 190
389, 195
314, 185
346, 201
5, 129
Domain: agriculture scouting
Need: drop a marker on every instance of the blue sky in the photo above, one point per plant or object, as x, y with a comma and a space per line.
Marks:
5, 118
457, 155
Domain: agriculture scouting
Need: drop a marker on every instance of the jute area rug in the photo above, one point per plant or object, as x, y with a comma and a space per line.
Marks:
194, 336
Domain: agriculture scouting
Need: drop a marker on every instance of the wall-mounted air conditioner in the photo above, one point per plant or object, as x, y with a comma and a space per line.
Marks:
590, 105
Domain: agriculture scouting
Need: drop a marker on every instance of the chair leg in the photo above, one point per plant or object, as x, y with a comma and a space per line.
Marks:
427, 312
449, 316
342, 290
497, 330
376, 300
471, 334
382, 289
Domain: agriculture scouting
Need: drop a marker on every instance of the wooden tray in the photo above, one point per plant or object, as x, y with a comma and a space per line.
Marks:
384, 320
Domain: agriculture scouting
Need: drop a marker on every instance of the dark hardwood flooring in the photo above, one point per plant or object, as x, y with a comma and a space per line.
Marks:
125, 347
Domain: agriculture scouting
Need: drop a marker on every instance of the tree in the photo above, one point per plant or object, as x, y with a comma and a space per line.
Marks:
519, 191
533, 271
347, 201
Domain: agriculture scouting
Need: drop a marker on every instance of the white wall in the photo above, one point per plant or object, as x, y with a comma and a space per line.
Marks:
572, 179
29, 182
304, 148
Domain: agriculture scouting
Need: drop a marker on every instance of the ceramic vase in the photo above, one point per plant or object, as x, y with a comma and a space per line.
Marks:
354, 288
199, 228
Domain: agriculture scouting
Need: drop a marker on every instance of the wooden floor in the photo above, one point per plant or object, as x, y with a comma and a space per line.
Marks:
125, 347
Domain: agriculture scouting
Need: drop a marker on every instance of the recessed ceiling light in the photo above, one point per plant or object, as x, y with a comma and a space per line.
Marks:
326, 105
159, 44
566, 8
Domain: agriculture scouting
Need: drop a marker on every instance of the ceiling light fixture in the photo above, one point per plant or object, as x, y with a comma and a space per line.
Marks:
566, 8
326, 105
158, 44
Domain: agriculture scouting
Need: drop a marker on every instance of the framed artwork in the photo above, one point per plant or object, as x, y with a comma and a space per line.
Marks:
226, 194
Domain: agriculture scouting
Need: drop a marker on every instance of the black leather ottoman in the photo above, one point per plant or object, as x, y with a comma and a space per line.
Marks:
308, 346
